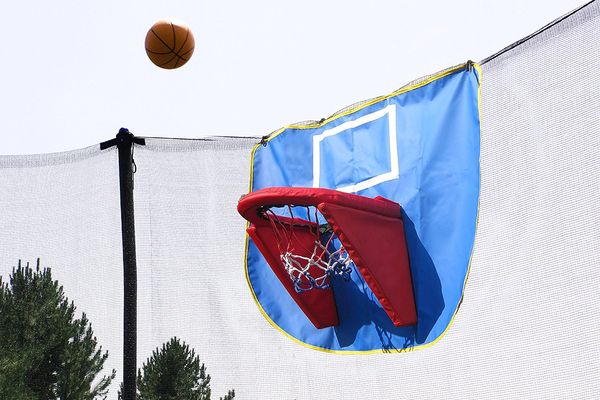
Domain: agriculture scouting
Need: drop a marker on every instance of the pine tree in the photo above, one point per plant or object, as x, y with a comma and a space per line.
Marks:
175, 373
47, 352
229, 396
13, 375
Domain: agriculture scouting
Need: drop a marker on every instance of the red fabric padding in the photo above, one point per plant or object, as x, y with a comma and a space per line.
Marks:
250, 203
372, 232
377, 246
317, 304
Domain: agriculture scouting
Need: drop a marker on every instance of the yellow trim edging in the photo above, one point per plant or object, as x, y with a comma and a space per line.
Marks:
323, 122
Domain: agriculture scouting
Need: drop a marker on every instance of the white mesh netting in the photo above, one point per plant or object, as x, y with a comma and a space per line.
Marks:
64, 209
324, 259
529, 324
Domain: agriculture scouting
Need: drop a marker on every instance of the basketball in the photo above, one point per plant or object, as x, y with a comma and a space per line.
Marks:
169, 44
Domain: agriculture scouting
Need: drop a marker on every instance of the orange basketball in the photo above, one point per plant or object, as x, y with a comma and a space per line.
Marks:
169, 44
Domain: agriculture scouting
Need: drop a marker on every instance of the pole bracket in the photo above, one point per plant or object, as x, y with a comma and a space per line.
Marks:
124, 137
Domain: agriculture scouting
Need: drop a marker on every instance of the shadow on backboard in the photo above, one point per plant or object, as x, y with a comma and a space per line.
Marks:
363, 319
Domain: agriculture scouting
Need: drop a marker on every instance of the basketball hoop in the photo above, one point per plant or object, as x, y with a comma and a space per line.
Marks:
310, 236
324, 260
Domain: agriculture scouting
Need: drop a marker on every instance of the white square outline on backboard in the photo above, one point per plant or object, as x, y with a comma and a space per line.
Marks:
394, 173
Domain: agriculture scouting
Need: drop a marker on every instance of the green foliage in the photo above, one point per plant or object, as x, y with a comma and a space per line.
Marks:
175, 373
229, 396
13, 375
46, 352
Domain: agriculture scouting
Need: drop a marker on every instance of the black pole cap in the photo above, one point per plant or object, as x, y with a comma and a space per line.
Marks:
123, 137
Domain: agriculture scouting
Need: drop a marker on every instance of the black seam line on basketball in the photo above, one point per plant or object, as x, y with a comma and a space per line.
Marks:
172, 58
158, 53
189, 51
162, 41
174, 37
187, 34
177, 61
182, 55
167, 62
183, 58
178, 56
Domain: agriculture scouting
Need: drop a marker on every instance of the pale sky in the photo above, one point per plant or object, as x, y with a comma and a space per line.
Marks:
73, 72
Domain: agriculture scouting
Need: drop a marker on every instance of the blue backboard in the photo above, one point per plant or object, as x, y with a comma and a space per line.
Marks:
418, 146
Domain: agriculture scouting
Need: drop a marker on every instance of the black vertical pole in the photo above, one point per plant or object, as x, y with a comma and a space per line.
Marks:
124, 142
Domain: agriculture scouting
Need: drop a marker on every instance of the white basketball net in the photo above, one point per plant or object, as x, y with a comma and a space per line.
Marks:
325, 261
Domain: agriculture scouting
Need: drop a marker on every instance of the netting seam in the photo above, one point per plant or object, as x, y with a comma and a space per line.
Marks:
534, 34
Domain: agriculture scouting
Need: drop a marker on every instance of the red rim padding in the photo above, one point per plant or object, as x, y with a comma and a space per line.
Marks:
372, 232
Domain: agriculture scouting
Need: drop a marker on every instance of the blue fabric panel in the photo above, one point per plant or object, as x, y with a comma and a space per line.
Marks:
419, 148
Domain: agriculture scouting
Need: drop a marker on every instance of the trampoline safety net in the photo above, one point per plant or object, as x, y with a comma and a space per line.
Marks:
527, 328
